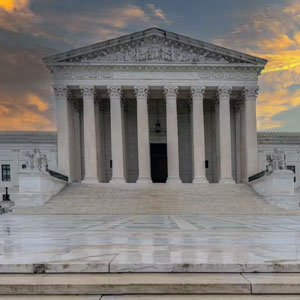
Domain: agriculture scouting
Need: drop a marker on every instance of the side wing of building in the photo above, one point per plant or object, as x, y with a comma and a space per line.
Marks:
288, 141
13, 147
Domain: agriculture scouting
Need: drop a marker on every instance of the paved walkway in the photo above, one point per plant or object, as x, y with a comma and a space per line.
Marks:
133, 199
149, 243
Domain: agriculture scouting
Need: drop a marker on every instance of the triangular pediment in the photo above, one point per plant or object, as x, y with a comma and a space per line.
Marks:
154, 46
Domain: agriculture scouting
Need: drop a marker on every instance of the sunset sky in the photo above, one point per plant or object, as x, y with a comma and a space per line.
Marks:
32, 29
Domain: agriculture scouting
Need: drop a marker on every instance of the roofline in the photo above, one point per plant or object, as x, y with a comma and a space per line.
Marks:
27, 132
139, 34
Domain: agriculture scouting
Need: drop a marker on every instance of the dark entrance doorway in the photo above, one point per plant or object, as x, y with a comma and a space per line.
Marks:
159, 163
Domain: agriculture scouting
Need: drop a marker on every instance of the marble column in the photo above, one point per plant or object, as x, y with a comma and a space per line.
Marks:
78, 109
172, 134
237, 111
63, 130
89, 135
117, 141
225, 135
141, 93
197, 93
249, 132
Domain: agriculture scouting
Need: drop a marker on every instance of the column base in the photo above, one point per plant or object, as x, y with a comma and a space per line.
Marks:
226, 180
144, 180
117, 180
200, 180
91, 180
173, 180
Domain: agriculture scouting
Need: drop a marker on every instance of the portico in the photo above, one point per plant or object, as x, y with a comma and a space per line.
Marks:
117, 98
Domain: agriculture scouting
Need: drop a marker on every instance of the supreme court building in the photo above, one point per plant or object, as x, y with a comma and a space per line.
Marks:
155, 106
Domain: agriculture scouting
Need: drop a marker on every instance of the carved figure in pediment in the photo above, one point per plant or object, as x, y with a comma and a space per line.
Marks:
157, 50
130, 54
121, 55
114, 56
155, 53
178, 54
166, 52
191, 56
142, 53
105, 56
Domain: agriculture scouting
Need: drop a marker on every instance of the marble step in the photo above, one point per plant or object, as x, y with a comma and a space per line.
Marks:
149, 283
199, 297
155, 297
40, 297
115, 284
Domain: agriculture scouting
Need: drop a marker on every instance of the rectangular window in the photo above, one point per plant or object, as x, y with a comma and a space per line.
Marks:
292, 168
5, 172
23, 166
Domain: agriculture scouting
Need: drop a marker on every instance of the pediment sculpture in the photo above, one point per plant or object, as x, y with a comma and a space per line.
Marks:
154, 51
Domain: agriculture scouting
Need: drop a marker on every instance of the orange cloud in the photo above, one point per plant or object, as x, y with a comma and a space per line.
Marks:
28, 113
157, 12
274, 36
40, 104
11, 5
121, 17
27, 120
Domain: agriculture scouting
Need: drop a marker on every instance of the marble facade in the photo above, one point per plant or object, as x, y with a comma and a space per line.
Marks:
111, 95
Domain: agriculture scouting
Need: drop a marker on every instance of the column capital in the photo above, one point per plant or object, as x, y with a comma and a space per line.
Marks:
141, 92
224, 92
171, 92
60, 91
197, 92
114, 91
88, 91
250, 92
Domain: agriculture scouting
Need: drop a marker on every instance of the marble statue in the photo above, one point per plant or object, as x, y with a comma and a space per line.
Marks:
276, 160
35, 160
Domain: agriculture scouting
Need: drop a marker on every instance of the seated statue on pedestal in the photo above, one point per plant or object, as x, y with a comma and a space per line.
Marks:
276, 160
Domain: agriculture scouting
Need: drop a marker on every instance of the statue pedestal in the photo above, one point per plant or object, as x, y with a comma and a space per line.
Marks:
6, 206
35, 188
278, 188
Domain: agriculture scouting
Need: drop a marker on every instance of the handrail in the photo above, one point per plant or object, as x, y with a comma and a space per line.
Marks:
58, 175
256, 176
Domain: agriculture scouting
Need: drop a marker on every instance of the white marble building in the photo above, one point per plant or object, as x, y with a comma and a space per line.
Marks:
156, 106
13, 147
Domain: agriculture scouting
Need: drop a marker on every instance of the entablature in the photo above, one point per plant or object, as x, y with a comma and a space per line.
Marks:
108, 74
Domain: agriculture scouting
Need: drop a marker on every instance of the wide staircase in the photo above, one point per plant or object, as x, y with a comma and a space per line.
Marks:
110, 199
58, 282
